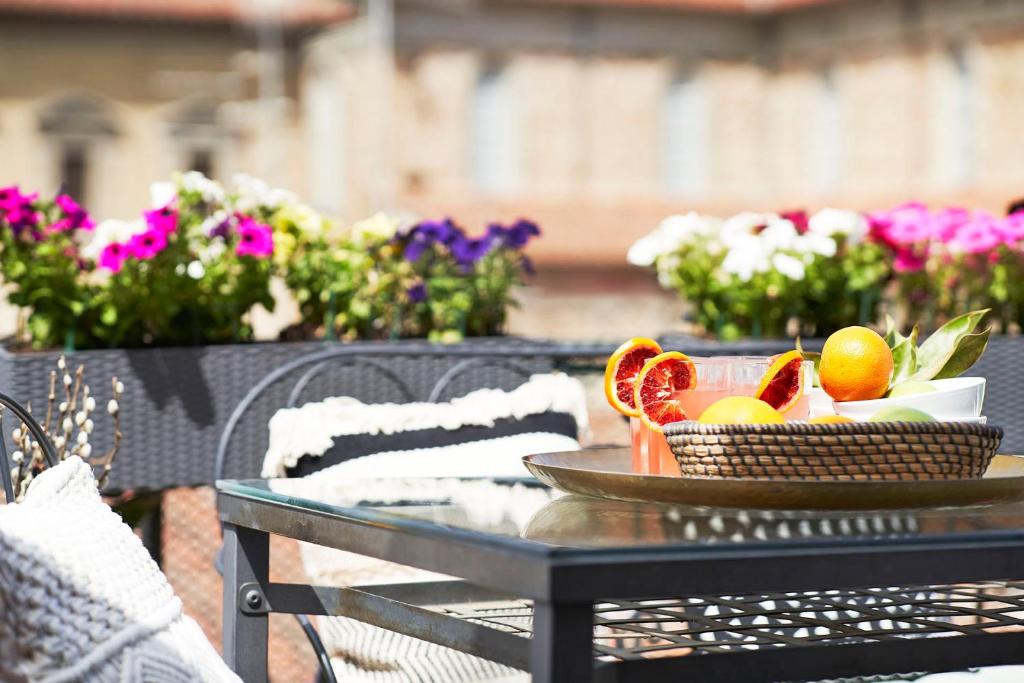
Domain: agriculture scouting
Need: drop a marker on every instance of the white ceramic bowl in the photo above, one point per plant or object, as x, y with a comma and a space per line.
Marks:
955, 400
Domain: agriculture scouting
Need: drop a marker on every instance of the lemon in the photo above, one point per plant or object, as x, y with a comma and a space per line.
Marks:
830, 420
901, 414
912, 388
740, 410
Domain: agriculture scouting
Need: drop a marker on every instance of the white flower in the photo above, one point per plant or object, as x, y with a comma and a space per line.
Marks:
162, 193
829, 222
746, 257
213, 251
743, 225
307, 219
780, 234
671, 233
210, 190
789, 266
645, 250
253, 193
196, 270
813, 243
379, 226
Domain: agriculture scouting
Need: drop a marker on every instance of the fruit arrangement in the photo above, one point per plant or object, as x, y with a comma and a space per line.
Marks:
857, 367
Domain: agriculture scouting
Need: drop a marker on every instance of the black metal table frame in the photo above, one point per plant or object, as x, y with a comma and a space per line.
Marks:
564, 585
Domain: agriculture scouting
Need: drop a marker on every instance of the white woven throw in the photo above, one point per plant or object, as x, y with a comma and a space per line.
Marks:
81, 599
310, 429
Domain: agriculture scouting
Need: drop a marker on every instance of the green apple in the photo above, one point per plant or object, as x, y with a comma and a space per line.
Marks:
911, 388
901, 414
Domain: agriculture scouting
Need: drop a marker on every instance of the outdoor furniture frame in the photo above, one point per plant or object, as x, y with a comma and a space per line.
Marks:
566, 591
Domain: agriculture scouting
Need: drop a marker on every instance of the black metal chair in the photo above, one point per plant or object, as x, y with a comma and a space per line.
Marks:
49, 453
383, 373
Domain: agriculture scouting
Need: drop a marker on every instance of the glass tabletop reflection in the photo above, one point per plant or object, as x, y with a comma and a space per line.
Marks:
523, 511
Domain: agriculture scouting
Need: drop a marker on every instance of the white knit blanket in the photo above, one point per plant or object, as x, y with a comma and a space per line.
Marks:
310, 429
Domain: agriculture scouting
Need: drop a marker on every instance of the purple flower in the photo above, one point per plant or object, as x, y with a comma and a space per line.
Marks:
113, 255
515, 236
146, 245
424, 235
468, 251
417, 293
527, 265
164, 220
254, 239
73, 216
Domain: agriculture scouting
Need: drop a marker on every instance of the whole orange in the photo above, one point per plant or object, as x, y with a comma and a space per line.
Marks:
856, 365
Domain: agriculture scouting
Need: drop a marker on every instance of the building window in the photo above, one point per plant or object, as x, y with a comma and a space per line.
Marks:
201, 160
76, 125
74, 170
684, 137
828, 144
198, 136
492, 144
964, 114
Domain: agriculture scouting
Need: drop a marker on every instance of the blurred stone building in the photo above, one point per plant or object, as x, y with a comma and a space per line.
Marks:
595, 117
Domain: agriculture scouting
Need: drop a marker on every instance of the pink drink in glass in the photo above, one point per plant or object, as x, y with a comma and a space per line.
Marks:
717, 378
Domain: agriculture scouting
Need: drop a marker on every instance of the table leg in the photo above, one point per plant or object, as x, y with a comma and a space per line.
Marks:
562, 649
246, 560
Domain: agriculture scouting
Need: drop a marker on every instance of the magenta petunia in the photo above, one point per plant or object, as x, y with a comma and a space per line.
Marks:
73, 216
983, 233
1012, 228
164, 220
113, 256
904, 225
907, 261
254, 239
146, 245
947, 222
18, 210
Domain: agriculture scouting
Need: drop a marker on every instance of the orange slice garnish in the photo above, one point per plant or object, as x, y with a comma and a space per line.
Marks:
623, 367
657, 385
783, 384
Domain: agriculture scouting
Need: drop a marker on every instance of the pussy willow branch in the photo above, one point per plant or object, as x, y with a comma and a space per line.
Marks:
112, 453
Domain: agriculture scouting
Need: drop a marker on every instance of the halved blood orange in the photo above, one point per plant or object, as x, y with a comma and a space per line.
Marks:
623, 367
783, 384
656, 386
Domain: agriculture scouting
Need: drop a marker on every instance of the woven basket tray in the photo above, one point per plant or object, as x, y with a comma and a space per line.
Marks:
862, 450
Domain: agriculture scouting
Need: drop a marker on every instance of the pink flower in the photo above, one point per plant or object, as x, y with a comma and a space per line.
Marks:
907, 261
981, 235
19, 210
113, 256
948, 221
163, 220
1013, 228
73, 216
146, 245
254, 239
907, 224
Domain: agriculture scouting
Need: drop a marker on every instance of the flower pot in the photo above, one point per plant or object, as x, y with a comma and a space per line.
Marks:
178, 400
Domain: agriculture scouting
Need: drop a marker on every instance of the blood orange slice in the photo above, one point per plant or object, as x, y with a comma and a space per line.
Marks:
656, 386
783, 384
623, 367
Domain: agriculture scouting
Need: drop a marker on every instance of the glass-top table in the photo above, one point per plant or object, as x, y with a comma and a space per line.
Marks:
573, 588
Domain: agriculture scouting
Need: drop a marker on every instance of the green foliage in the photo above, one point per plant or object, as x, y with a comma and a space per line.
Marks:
948, 352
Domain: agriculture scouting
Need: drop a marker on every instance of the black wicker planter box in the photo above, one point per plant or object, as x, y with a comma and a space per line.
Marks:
178, 400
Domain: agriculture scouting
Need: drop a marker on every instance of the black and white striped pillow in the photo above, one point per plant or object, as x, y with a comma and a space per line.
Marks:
484, 433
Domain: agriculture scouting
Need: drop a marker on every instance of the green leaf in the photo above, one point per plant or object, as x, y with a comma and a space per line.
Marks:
892, 334
904, 358
941, 346
968, 351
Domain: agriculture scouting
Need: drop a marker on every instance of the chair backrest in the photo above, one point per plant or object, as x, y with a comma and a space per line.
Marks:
385, 373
